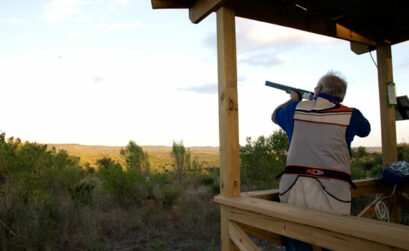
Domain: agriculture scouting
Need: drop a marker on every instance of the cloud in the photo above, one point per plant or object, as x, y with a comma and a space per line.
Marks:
10, 21
209, 88
210, 41
266, 59
256, 36
97, 79
262, 44
253, 35
121, 26
59, 10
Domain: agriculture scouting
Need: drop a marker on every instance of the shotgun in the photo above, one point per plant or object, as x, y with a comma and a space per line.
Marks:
303, 93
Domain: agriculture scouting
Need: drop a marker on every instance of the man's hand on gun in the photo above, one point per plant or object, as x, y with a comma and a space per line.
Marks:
295, 96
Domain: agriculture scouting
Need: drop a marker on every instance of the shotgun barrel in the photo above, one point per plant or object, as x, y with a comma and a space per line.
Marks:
303, 93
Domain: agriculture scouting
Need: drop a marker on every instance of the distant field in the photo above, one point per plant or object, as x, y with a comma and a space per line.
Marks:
159, 156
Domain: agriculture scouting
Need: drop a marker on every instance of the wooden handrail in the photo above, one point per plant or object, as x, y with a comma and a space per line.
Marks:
364, 187
312, 225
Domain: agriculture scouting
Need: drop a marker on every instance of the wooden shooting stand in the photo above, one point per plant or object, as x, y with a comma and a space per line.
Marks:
367, 25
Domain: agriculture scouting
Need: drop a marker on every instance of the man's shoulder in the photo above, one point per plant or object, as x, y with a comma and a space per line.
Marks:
291, 106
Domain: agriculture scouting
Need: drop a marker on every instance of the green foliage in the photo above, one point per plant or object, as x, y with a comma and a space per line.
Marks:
107, 163
159, 246
124, 186
180, 157
88, 168
81, 194
167, 194
403, 152
47, 202
262, 160
364, 164
135, 157
30, 211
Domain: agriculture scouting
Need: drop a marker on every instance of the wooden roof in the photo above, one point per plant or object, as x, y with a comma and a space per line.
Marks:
369, 22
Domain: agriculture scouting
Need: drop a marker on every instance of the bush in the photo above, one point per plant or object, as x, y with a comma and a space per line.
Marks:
81, 194
168, 194
30, 210
403, 152
135, 157
127, 188
262, 160
364, 164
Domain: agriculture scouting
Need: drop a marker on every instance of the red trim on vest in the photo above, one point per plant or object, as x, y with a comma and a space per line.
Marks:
315, 122
301, 175
341, 108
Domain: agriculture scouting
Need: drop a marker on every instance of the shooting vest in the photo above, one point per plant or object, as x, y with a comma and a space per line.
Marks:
317, 169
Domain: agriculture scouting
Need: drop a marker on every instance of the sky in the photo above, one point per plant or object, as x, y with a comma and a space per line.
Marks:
104, 72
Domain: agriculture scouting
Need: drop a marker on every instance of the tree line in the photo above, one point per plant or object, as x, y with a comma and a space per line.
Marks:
49, 201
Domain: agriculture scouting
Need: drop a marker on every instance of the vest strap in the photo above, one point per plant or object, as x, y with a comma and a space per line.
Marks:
319, 173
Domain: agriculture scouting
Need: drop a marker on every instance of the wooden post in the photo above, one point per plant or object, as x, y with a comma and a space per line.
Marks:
228, 116
388, 126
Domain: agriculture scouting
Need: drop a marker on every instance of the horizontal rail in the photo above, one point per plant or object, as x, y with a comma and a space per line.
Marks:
364, 187
312, 225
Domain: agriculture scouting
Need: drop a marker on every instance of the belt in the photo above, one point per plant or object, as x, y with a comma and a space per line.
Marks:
318, 173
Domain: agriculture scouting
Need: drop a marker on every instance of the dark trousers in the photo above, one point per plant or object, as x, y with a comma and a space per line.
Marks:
296, 245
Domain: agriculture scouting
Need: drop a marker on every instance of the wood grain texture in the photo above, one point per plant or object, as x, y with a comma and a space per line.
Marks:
240, 238
388, 124
228, 116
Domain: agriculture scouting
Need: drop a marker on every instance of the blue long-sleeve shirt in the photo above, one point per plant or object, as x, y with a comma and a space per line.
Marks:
358, 124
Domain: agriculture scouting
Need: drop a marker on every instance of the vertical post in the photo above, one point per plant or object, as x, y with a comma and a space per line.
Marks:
228, 116
388, 119
388, 123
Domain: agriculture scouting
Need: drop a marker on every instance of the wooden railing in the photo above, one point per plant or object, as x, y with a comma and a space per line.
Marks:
259, 214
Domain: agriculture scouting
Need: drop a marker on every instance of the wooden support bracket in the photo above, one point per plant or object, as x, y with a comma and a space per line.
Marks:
240, 238
202, 8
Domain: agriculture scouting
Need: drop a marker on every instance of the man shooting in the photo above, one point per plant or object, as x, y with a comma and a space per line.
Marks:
320, 131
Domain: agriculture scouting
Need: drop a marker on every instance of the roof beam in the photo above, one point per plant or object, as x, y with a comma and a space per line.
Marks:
272, 12
202, 8
347, 34
164, 4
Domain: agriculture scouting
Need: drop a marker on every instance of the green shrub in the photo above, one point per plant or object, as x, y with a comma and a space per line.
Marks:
30, 210
357, 173
262, 160
206, 180
81, 194
126, 187
215, 189
168, 194
159, 246
403, 152
135, 157
68, 176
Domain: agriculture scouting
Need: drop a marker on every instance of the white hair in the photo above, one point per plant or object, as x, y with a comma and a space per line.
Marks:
333, 84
